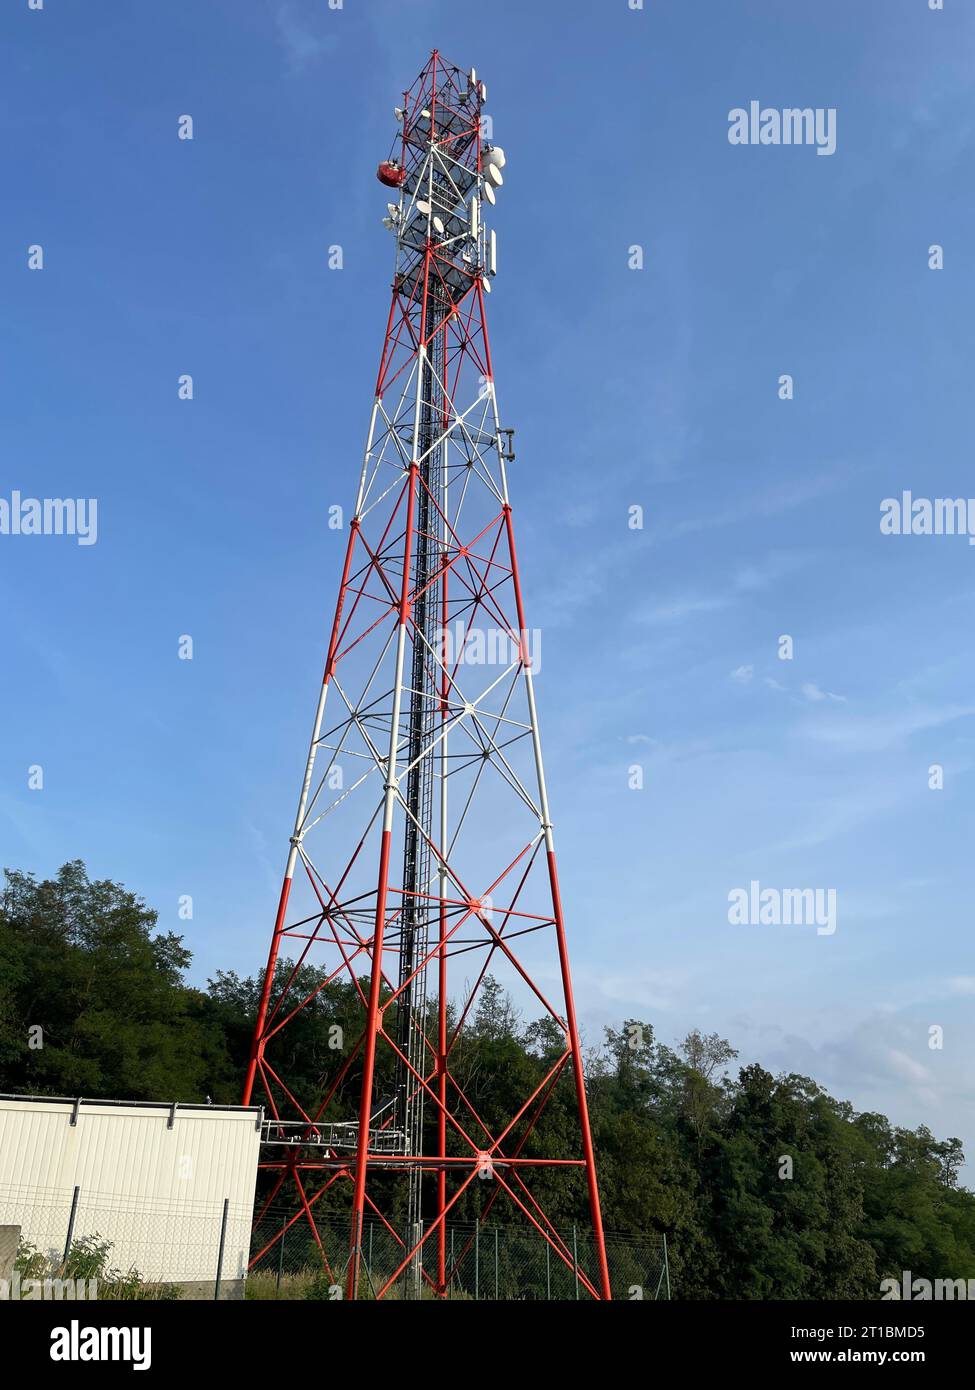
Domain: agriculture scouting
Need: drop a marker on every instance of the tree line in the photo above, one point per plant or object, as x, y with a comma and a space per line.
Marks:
766, 1186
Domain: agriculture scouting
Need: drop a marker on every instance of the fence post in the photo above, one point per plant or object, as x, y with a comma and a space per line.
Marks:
71, 1218
666, 1266
495, 1264
223, 1238
450, 1288
548, 1271
372, 1227
575, 1255
477, 1260
284, 1236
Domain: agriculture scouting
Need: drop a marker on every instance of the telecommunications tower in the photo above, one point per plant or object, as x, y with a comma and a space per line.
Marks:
421, 871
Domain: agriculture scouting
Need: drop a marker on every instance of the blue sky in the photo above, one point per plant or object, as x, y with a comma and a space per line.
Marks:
655, 387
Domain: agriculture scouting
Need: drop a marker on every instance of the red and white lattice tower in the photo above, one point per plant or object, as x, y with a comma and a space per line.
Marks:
422, 860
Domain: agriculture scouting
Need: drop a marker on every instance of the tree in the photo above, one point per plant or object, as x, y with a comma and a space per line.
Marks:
93, 1001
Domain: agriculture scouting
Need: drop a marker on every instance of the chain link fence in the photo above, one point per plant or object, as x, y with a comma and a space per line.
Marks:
482, 1262
201, 1246
204, 1248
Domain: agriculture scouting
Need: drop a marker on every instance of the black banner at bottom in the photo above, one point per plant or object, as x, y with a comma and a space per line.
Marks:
171, 1339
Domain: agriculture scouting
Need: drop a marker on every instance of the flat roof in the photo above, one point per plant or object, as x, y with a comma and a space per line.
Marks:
169, 1105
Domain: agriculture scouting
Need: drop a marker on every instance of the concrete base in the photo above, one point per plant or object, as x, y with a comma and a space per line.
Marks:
201, 1290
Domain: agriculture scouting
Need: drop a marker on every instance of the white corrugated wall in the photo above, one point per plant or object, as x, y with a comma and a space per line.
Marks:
155, 1192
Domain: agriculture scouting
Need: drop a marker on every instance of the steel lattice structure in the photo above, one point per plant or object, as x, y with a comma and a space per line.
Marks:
436, 855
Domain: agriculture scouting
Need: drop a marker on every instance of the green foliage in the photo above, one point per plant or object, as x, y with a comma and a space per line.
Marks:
82, 960
765, 1186
29, 1263
320, 1286
88, 1259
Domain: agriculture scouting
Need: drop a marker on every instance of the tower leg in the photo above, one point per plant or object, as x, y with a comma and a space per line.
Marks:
595, 1211
257, 1044
368, 1072
442, 955
382, 888
571, 1024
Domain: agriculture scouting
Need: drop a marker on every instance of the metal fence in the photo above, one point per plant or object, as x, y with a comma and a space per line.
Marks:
206, 1247
483, 1262
194, 1243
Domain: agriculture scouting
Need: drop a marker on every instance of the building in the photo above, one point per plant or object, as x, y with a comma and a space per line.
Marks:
151, 1178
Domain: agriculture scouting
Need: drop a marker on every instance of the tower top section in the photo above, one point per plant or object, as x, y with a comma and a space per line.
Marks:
444, 170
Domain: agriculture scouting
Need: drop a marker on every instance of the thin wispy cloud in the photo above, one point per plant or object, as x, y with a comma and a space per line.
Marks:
783, 497
826, 821
749, 579
687, 606
873, 734
753, 578
813, 693
302, 45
